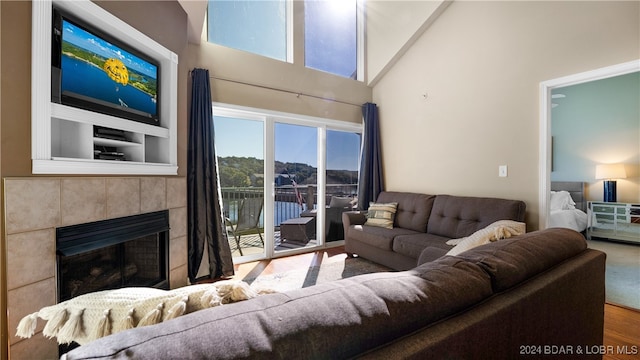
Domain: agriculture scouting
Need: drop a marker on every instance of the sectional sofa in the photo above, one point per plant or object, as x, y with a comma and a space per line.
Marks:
536, 295
422, 226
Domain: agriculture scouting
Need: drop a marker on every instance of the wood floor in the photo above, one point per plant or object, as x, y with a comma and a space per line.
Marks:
621, 325
621, 333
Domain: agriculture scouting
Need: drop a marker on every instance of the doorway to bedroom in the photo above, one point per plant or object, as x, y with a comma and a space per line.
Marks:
589, 119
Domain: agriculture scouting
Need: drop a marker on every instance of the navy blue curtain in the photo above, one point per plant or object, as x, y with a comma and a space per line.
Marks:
370, 182
207, 234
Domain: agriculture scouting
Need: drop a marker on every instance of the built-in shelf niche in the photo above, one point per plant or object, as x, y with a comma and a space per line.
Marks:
62, 136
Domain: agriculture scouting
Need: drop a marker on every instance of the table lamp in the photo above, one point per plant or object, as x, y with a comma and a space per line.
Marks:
609, 172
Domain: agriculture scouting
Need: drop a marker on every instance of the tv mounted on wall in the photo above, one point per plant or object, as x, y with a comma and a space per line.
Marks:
93, 71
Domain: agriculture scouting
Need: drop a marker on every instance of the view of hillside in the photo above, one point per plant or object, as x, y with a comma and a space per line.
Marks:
248, 171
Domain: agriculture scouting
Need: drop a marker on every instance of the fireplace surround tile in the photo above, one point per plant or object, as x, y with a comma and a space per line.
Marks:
83, 200
176, 191
153, 194
178, 251
46, 349
31, 204
178, 222
123, 197
29, 248
178, 277
26, 300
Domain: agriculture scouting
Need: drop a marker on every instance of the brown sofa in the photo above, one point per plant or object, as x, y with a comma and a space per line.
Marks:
422, 226
521, 297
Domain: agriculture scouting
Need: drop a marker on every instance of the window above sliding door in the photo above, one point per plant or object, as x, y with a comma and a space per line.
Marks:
329, 34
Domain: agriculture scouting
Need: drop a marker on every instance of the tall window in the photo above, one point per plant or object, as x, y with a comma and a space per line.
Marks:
257, 26
330, 36
240, 150
332, 29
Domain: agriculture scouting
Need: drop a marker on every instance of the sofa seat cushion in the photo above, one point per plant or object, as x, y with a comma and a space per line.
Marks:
359, 313
430, 254
512, 261
412, 245
377, 236
413, 209
458, 216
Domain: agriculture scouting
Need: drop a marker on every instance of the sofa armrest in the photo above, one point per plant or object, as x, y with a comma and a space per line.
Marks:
353, 218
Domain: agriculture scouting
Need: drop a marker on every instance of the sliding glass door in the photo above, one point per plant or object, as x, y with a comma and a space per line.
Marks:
240, 150
286, 180
296, 186
343, 156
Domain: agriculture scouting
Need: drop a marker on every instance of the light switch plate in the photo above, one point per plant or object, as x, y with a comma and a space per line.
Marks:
502, 170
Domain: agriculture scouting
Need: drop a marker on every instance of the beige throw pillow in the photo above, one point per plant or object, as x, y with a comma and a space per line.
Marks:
381, 215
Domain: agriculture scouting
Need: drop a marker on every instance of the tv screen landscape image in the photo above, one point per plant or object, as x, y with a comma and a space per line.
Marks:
100, 76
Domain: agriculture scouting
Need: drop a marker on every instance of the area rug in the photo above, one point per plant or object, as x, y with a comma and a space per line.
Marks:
622, 275
326, 272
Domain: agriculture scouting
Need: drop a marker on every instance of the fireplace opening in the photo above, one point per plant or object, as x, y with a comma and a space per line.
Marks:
111, 254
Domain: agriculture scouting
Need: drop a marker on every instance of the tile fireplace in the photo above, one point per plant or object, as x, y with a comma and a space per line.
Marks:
113, 253
35, 208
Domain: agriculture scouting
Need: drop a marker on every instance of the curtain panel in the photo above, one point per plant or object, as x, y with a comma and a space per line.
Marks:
208, 244
370, 181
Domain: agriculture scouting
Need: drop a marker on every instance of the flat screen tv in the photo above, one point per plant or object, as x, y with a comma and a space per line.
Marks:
94, 71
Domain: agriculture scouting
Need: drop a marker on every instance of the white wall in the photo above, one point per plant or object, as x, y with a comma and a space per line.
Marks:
481, 64
392, 27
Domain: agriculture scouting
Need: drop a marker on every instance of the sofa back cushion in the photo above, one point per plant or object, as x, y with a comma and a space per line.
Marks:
334, 320
512, 261
413, 209
459, 216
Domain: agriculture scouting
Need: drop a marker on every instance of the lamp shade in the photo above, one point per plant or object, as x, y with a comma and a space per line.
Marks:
610, 171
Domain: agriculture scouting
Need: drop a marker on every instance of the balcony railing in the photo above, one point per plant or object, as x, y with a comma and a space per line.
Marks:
287, 205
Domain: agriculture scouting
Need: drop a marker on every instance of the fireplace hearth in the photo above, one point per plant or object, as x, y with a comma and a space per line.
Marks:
111, 254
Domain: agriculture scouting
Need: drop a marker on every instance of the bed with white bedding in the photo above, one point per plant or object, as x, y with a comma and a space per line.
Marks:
567, 205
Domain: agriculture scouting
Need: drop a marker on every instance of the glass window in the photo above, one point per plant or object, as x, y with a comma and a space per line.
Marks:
239, 147
342, 154
330, 36
286, 180
296, 185
257, 26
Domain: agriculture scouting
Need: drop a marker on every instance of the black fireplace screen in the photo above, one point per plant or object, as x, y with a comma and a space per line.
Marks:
114, 253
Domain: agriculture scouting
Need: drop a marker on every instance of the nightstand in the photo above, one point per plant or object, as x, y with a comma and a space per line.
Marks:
615, 221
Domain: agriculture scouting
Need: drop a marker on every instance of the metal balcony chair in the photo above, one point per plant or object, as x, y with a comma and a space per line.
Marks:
248, 222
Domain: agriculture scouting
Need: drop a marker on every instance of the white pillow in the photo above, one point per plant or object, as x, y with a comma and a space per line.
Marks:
561, 200
501, 229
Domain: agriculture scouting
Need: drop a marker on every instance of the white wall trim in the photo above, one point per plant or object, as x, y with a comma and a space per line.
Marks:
220, 109
545, 123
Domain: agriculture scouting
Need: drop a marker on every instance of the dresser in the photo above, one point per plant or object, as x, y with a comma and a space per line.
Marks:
615, 221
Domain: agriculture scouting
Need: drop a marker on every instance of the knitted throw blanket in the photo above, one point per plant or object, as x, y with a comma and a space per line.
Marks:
501, 229
94, 315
